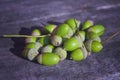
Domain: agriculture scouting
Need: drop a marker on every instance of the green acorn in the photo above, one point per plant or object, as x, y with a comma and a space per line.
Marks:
62, 30
48, 59
50, 28
73, 23
96, 46
97, 29
71, 44
77, 55
87, 24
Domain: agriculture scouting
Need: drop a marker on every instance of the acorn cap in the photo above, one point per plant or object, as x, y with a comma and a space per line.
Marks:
97, 39
56, 40
32, 54
81, 34
85, 52
88, 44
38, 45
61, 53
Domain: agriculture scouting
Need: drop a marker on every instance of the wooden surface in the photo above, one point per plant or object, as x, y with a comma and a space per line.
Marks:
19, 16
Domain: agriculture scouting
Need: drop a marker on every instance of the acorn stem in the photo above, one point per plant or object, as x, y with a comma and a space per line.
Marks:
111, 37
25, 36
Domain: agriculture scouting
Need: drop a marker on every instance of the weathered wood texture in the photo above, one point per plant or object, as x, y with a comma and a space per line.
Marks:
18, 16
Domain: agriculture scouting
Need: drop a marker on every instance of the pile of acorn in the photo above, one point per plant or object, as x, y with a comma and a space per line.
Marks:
71, 37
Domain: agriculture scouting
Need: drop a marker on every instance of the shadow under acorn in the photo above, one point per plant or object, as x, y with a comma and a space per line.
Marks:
19, 43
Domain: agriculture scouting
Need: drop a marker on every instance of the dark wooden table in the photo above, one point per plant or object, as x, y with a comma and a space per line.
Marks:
19, 16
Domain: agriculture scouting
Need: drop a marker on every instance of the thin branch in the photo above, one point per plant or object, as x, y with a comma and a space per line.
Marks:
110, 37
9, 36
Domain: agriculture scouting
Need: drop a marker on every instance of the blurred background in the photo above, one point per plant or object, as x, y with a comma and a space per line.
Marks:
18, 16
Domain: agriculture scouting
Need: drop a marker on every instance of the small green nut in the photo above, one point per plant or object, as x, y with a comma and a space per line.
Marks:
44, 40
77, 55
61, 53
56, 40
32, 54
36, 32
70, 34
47, 48
87, 24
29, 45
50, 28
73, 23
81, 34
62, 30
97, 29
71, 44
48, 59
30, 40
96, 46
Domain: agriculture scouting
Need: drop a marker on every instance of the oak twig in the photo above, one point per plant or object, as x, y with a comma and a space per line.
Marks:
111, 37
